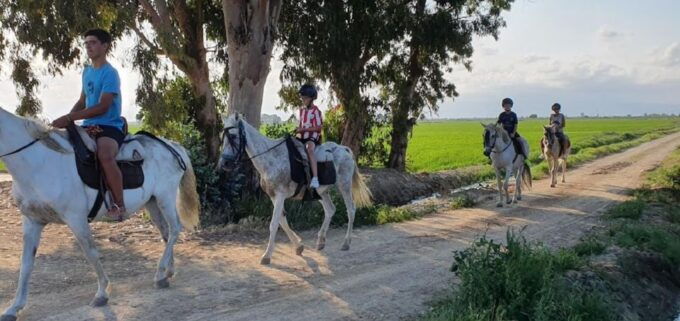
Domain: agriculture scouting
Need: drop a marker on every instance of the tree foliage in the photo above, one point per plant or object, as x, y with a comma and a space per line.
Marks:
436, 37
342, 43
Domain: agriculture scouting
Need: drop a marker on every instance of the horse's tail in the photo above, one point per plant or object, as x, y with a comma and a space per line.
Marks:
188, 203
360, 193
526, 176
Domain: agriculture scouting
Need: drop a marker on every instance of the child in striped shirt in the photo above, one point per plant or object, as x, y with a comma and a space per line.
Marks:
309, 128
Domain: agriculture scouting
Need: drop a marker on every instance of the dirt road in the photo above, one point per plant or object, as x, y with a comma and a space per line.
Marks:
389, 274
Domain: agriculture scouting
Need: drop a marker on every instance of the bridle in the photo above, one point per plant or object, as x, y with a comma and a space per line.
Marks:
492, 146
240, 150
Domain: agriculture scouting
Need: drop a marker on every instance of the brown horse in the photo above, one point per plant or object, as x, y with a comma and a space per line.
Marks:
555, 153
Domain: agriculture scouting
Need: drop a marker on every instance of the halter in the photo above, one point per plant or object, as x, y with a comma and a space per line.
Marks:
241, 149
21, 148
493, 149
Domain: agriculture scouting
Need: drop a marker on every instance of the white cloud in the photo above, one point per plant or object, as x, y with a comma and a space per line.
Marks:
669, 56
607, 34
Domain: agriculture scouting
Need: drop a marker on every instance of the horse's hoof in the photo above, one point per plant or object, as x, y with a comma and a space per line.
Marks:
97, 302
499, 204
7, 317
320, 246
265, 261
299, 250
508, 202
552, 185
163, 283
519, 198
345, 247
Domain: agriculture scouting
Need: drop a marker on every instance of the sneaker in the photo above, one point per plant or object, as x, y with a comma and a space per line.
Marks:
115, 213
314, 183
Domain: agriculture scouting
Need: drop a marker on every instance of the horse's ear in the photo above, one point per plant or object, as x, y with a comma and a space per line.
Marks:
483, 125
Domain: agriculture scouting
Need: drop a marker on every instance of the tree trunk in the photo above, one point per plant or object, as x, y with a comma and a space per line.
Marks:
353, 132
356, 115
402, 126
207, 120
251, 27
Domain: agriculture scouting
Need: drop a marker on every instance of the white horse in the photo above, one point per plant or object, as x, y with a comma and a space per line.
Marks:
270, 158
47, 189
504, 156
553, 153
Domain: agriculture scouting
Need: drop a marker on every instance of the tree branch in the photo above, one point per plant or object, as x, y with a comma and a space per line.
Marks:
146, 40
163, 13
182, 15
155, 19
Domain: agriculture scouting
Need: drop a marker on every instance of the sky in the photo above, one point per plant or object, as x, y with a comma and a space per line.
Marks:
604, 57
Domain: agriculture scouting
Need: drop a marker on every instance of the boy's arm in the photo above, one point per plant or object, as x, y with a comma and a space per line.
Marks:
104, 103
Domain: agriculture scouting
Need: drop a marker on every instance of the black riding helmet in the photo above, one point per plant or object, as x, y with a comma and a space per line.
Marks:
308, 91
556, 106
507, 101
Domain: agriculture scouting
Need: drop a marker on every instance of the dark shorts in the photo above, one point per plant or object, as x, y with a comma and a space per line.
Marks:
305, 140
110, 132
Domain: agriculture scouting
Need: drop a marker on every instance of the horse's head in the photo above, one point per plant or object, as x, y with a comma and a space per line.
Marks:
491, 134
233, 142
548, 136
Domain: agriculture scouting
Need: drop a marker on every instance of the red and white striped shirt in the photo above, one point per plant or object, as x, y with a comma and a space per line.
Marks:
310, 117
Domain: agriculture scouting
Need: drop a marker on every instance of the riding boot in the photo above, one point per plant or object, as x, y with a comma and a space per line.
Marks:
560, 140
519, 149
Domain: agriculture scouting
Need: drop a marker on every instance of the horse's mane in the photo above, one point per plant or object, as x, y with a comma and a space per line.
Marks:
504, 134
39, 130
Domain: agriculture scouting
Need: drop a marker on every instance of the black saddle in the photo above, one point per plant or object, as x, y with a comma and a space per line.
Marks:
90, 171
301, 173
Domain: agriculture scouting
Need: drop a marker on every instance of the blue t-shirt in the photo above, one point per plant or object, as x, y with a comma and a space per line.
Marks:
97, 81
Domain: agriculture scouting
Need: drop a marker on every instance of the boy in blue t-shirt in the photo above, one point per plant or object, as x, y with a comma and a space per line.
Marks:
100, 108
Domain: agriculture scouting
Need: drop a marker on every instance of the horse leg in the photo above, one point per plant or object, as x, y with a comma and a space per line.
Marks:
32, 232
81, 230
518, 183
157, 218
500, 188
273, 228
168, 210
329, 211
294, 238
346, 191
553, 170
508, 174
564, 169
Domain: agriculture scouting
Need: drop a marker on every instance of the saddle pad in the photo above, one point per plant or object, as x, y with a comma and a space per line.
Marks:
326, 170
133, 175
89, 171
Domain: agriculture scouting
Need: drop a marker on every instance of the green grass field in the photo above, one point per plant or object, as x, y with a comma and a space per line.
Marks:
458, 143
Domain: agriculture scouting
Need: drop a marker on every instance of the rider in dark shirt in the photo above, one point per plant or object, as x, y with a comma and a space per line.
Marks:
508, 120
